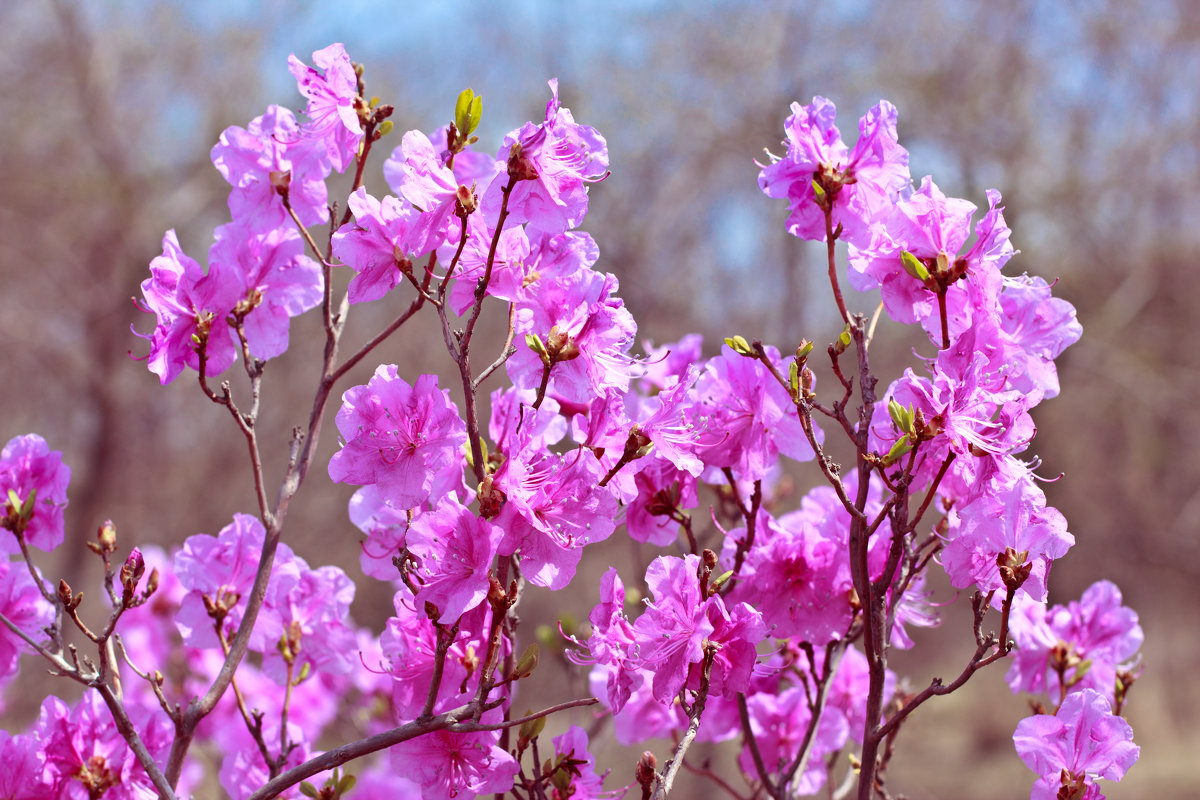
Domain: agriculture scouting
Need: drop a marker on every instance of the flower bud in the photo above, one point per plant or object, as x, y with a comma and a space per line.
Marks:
644, 773
464, 201
520, 168
106, 536
131, 573
1014, 569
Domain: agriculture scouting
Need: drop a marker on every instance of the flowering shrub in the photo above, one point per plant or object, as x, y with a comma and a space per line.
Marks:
769, 627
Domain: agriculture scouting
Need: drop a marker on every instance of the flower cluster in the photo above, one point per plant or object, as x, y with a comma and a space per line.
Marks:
772, 627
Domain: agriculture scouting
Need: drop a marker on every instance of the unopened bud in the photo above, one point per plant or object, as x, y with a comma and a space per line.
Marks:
528, 662
560, 345
464, 201
913, 266
519, 167
637, 445
645, 771
529, 731
1014, 569
491, 499
106, 537
131, 573
841, 344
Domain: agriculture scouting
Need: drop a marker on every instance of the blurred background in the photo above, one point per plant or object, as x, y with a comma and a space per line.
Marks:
1084, 115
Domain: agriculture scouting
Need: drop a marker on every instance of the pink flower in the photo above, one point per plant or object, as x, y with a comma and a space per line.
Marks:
385, 236
450, 765
188, 304
417, 173
29, 468
269, 154
221, 568
1091, 639
584, 311
748, 417
22, 768
279, 281
576, 768
23, 605
640, 716
333, 102
1038, 327
1082, 742
613, 641
779, 722
385, 527
560, 157
85, 751
671, 633
1016, 517
555, 508
455, 549
797, 578
861, 183
402, 438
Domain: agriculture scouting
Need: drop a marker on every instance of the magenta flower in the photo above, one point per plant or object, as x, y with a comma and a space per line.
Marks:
667, 363
779, 722
86, 756
797, 578
849, 689
269, 154
417, 173
315, 609
23, 605
23, 768
555, 508
583, 308
454, 549
612, 642
559, 157
1039, 327
933, 227
243, 769
1090, 640
188, 304
661, 486
512, 263
408, 645
747, 416
385, 236
402, 438
641, 716
972, 413
449, 765
672, 631
279, 280
28, 467
333, 102
580, 779
1070, 750
385, 527
861, 182
222, 568
1016, 517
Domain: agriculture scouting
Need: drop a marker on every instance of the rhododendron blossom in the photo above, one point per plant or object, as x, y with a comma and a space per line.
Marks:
767, 613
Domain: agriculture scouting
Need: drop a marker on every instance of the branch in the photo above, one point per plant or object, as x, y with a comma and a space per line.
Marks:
458, 720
